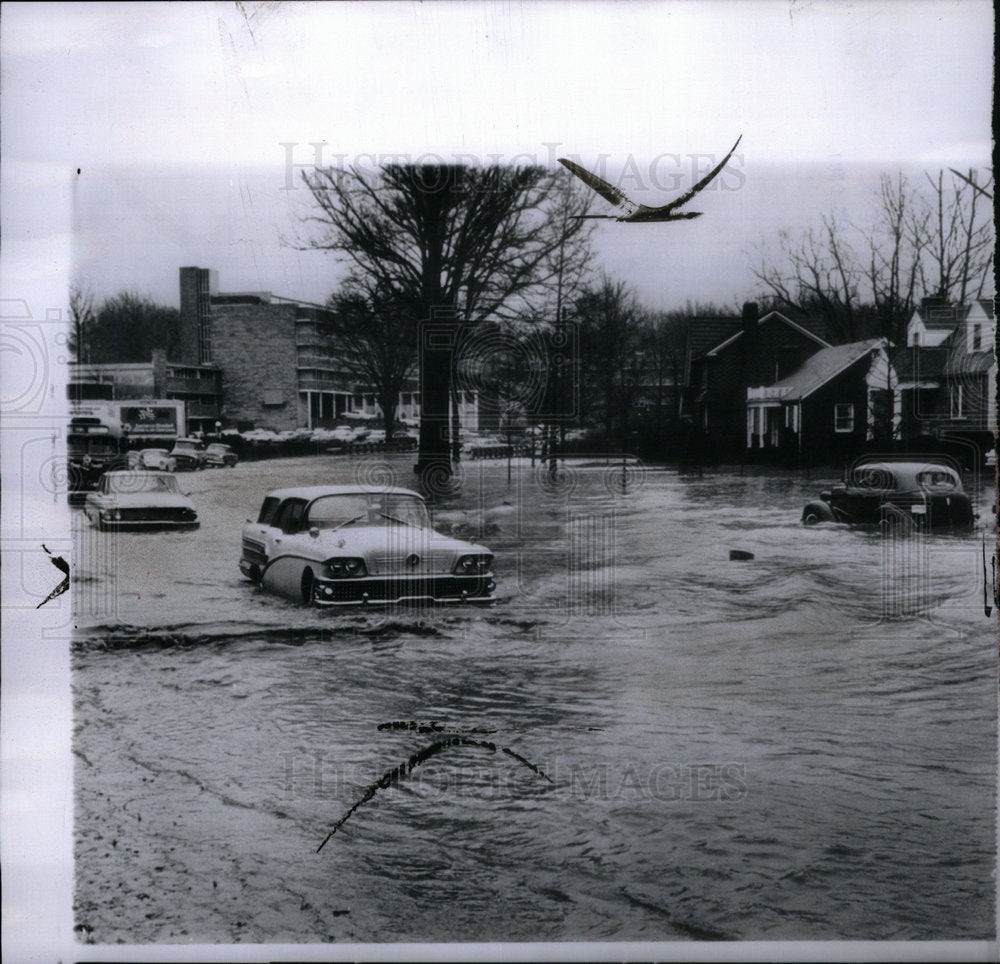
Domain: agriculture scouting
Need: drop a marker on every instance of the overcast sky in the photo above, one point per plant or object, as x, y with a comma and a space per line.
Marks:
179, 117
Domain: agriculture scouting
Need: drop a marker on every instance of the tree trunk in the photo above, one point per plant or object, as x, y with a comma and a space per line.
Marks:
388, 403
456, 436
437, 344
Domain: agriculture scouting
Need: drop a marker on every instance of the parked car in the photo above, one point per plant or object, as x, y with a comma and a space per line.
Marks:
341, 545
926, 492
159, 460
139, 500
220, 455
188, 454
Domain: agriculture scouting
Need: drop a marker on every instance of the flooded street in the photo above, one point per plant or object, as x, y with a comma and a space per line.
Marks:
797, 746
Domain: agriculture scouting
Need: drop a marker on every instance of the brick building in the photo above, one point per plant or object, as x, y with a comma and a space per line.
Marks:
279, 361
198, 386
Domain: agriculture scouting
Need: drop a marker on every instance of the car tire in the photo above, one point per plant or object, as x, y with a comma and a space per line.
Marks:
307, 586
811, 518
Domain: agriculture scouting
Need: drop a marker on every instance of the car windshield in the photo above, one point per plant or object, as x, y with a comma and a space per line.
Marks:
374, 508
132, 483
218, 449
149, 453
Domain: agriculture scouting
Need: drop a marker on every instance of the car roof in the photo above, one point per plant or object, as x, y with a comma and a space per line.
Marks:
311, 492
911, 462
132, 473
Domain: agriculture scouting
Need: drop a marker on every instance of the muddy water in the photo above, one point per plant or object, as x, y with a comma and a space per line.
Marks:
802, 745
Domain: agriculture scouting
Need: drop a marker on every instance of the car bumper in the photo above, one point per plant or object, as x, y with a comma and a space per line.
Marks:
419, 589
113, 525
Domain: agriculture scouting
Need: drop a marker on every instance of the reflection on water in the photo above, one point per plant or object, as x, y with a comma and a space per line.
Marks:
797, 746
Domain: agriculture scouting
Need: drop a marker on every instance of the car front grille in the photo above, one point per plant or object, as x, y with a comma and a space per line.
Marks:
179, 514
402, 562
390, 590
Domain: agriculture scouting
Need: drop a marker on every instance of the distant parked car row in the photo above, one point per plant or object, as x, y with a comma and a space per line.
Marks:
188, 455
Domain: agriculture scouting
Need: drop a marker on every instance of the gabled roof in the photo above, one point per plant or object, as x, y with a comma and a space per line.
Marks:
986, 304
942, 317
825, 365
733, 338
706, 333
813, 323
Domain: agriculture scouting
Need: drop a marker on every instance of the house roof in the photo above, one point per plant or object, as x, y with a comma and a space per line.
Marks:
760, 321
825, 365
704, 334
969, 363
925, 363
816, 324
942, 317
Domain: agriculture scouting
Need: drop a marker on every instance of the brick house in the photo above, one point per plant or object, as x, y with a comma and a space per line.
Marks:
726, 357
824, 409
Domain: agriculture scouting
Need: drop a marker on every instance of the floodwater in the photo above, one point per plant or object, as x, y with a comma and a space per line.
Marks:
797, 746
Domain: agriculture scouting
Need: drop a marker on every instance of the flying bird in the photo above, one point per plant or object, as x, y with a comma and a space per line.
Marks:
640, 212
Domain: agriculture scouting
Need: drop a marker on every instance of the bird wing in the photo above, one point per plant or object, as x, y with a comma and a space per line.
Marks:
684, 198
609, 192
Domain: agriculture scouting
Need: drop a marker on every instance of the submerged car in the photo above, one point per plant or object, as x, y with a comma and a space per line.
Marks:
926, 493
360, 545
157, 460
188, 454
140, 500
218, 454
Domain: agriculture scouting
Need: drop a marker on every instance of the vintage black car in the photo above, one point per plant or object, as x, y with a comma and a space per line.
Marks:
923, 492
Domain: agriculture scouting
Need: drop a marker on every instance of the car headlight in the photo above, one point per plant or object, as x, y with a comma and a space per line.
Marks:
346, 567
473, 565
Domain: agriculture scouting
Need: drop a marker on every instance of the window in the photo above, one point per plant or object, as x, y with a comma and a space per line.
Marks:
956, 401
267, 511
290, 515
843, 417
977, 337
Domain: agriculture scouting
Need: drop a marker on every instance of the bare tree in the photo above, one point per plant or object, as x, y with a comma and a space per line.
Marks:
611, 329
959, 250
81, 321
815, 272
376, 338
454, 244
867, 279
